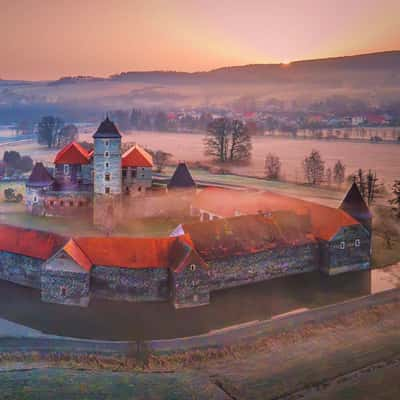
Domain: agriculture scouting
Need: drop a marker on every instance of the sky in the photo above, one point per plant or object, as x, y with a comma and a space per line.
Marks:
47, 39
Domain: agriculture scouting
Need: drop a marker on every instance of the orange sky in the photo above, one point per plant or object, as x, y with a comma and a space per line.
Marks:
46, 39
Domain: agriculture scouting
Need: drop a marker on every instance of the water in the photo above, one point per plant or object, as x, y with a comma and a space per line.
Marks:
383, 158
129, 321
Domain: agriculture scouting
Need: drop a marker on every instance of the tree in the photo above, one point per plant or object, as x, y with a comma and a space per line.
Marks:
272, 166
339, 173
14, 162
240, 142
395, 202
26, 164
65, 135
314, 168
227, 140
160, 121
48, 128
328, 176
372, 187
216, 141
160, 159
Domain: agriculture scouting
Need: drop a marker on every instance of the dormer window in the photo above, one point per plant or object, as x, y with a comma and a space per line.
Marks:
107, 154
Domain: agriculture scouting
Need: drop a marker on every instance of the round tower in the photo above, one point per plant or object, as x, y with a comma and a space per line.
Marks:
107, 182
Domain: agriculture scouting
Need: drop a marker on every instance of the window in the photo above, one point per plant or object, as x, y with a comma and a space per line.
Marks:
107, 164
192, 267
357, 243
342, 245
106, 154
80, 203
106, 143
62, 203
71, 203
66, 169
107, 190
107, 177
139, 189
133, 173
51, 203
63, 291
124, 173
35, 199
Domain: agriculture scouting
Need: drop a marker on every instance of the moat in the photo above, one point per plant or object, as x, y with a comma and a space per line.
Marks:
114, 320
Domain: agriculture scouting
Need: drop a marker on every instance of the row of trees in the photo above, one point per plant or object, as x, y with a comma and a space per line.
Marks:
157, 120
314, 169
228, 140
316, 174
13, 162
53, 132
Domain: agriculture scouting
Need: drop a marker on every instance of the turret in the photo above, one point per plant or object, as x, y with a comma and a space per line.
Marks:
354, 205
107, 182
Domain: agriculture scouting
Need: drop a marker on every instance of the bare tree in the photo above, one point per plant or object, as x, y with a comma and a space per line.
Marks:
367, 185
217, 140
228, 140
395, 202
160, 159
314, 168
339, 173
272, 166
328, 176
240, 143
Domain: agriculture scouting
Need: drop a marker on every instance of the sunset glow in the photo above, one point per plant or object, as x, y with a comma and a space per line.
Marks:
49, 39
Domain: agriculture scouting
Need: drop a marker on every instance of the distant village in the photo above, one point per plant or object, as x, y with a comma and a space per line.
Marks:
272, 120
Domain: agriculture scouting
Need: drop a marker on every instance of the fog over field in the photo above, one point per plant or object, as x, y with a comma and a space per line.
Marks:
372, 78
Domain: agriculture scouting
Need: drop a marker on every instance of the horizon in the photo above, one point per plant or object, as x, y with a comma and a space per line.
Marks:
208, 70
102, 39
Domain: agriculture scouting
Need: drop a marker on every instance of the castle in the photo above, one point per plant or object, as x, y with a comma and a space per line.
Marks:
97, 180
235, 237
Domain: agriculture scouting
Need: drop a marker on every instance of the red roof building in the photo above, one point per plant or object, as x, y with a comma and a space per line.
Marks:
137, 157
73, 153
31, 243
225, 203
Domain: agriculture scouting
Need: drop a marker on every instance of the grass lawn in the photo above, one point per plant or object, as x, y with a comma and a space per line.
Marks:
330, 197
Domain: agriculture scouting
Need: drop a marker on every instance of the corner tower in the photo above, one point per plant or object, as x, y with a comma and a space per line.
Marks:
107, 182
354, 205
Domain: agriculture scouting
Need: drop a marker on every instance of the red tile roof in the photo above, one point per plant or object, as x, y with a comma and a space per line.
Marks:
75, 252
31, 243
129, 252
325, 221
227, 237
137, 157
72, 153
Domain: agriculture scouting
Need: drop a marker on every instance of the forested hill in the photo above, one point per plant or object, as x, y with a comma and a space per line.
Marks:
383, 67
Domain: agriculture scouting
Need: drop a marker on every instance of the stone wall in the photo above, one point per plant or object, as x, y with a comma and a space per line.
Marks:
20, 269
144, 284
65, 287
349, 250
190, 287
256, 267
67, 203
